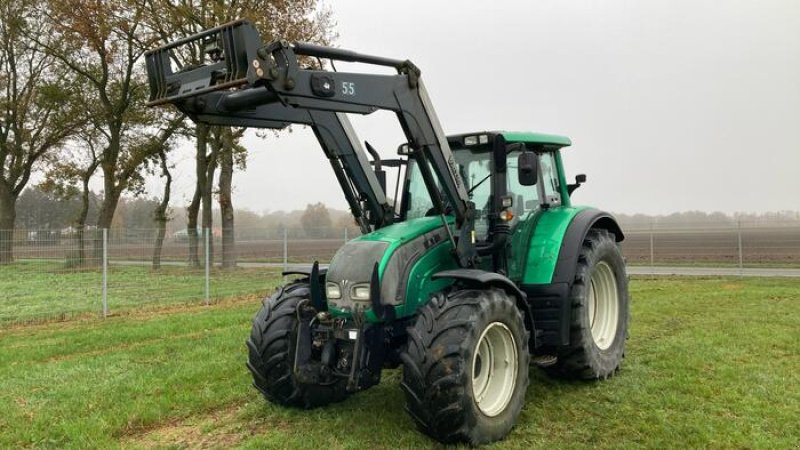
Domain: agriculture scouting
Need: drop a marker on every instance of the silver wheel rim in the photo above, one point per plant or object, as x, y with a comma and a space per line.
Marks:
603, 305
494, 369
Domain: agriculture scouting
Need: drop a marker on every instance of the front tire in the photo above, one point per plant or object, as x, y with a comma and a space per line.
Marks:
465, 370
271, 353
600, 311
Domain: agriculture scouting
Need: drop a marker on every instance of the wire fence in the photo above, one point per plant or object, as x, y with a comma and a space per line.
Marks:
50, 275
725, 244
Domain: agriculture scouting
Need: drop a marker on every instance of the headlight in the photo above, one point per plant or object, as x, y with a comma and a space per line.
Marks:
360, 292
332, 291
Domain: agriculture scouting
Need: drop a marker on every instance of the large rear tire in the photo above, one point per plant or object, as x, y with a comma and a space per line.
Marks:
271, 353
600, 312
465, 369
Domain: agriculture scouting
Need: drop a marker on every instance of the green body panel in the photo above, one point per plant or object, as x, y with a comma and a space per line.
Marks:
419, 285
401, 232
536, 138
536, 242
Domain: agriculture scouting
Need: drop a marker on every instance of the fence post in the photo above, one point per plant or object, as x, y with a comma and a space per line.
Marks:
105, 272
207, 233
652, 253
285, 250
739, 232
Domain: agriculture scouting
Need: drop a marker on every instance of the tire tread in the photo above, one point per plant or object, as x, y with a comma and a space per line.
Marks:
269, 353
579, 358
435, 368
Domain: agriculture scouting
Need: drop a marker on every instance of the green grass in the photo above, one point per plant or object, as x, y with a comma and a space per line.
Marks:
710, 363
40, 291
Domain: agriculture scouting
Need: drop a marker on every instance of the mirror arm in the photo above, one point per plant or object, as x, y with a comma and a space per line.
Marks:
579, 180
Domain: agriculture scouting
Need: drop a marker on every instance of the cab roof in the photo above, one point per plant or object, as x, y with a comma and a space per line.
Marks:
527, 137
536, 138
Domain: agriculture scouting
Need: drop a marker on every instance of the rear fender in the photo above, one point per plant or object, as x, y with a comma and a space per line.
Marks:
573, 241
549, 302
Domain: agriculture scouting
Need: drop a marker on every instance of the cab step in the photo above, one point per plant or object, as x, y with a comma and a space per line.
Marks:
544, 360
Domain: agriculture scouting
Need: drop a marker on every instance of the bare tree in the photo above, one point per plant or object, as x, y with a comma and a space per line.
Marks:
161, 213
193, 210
68, 176
294, 20
316, 221
226, 198
36, 109
231, 155
102, 44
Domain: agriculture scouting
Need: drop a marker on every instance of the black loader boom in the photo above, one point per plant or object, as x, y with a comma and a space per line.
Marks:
362, 189
250, 84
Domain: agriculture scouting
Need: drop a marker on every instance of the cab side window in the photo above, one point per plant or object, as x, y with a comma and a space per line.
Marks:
549, 178
476, 169
418, 198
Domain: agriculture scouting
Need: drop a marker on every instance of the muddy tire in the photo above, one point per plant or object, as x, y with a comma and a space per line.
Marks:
600, 312
465, 369
271, 351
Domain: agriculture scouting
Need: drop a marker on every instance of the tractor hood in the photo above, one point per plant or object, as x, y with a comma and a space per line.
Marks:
394, 249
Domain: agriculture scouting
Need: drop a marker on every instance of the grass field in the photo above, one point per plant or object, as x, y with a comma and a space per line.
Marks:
710, 363
42, 291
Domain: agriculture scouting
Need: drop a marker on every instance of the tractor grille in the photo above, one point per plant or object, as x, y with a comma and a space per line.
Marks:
352, 265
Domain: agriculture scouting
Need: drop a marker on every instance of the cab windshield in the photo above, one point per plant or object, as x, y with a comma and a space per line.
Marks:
476, 166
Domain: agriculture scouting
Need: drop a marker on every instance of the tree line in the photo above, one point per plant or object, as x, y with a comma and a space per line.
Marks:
51, 218
72, 107
709, 219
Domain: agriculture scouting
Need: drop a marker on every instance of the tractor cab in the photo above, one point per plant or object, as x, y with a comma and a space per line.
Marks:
506, 194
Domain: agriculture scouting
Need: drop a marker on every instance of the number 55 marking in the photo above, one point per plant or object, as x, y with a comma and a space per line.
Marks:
348, 88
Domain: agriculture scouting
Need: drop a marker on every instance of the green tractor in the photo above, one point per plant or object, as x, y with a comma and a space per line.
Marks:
482, 268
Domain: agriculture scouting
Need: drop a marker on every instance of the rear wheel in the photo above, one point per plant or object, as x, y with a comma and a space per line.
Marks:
600, 311
465, 370
271, 353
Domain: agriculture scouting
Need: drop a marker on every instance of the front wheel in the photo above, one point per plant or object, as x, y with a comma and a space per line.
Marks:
465, 370
271, 353
600, 311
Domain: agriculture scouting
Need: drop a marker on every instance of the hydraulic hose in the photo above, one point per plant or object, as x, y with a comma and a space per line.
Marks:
499, 239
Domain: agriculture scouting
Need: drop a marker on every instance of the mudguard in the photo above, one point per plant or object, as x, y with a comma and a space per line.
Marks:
492, 279
573, 240
549, 303
305, 271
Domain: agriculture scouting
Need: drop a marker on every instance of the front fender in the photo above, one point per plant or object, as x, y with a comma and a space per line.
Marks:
482, 278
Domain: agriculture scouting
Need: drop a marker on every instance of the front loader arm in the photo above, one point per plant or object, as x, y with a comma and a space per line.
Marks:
335, 135
247, 76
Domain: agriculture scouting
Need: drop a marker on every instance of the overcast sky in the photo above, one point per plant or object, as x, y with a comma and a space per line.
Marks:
671, 105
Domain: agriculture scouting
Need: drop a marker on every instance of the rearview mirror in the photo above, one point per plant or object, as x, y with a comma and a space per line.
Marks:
527, 168
579, 179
